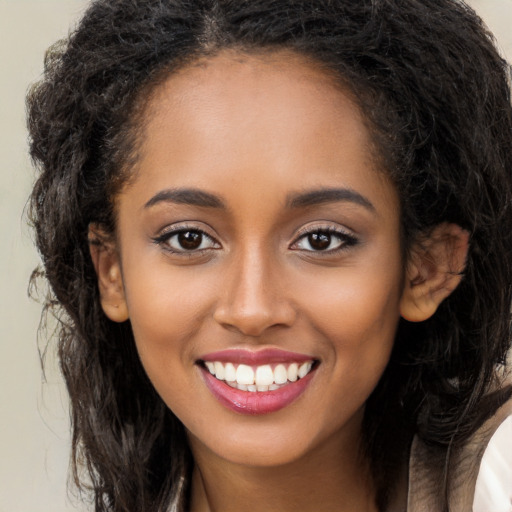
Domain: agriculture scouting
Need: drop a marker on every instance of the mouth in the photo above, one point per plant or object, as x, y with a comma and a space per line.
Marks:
257, 382
259, 379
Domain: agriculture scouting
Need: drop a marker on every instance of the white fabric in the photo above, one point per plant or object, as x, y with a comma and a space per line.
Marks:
493, 492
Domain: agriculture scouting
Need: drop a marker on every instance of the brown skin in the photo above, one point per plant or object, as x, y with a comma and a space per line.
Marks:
255, 131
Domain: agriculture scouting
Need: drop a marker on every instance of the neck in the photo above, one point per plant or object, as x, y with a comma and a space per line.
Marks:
333, 477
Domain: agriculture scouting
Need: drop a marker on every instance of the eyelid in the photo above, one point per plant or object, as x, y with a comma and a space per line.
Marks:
175, 229
347, 236
329, 227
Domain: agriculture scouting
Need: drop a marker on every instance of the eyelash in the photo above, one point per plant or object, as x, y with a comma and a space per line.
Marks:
345, 239
165, 238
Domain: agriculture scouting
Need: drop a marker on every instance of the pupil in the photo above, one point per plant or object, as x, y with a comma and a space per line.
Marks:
319, 241
190, 239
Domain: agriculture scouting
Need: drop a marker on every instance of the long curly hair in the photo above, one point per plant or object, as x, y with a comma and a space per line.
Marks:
435, 95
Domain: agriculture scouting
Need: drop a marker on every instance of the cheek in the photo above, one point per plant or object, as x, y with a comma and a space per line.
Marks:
359, 317
356, 307
166, 312
164, 301
356, 313
357, 325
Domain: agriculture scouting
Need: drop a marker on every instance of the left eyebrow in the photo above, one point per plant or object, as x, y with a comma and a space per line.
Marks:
190, 196
328, 195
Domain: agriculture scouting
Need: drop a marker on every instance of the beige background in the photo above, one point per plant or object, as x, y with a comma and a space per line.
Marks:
34, 441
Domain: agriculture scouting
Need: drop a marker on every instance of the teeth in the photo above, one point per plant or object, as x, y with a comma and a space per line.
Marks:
280, 374
252, 387
219, 370
261, 378
264, 375
244, 374
230, 372
292, 372
304, 369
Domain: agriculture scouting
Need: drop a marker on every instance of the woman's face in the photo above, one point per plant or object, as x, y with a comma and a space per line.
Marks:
258, 241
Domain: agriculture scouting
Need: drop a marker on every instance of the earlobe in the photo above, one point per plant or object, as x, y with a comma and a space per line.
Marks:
434, 270
105, 258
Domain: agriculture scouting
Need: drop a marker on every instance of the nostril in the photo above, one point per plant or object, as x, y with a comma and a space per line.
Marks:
254, 297
253, 322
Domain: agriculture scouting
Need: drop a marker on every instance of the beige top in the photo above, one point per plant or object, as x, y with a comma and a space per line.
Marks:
422, 493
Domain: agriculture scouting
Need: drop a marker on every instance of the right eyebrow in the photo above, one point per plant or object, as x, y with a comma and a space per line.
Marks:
190, 196
328, 195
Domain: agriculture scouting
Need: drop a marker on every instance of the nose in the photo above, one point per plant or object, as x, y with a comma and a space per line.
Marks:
254, 298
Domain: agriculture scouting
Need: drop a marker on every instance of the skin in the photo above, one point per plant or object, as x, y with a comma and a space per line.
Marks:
255, 133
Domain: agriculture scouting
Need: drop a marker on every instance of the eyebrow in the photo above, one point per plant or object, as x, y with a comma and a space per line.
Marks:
328, 195
196, 197
190, 196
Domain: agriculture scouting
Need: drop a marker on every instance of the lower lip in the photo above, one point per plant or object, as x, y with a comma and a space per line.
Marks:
259, 402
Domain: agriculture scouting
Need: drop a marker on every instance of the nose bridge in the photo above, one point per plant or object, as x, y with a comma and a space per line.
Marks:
253, 300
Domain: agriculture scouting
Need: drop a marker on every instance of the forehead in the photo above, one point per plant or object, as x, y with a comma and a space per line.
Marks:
247, 88
228, 71
257, 120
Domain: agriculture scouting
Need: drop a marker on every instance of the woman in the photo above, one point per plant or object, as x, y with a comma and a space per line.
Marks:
279, 237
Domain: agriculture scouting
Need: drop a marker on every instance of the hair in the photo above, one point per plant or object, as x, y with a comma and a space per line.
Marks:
435, 95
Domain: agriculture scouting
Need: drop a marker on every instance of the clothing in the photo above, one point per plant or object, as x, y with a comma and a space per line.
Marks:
423, 489
420, 489
494, 484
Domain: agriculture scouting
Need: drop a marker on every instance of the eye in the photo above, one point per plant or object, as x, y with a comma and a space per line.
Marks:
324, 240
185, 240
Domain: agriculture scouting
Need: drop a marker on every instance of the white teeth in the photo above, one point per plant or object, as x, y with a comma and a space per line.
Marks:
264, 375
292, 372
244, 374
261, 378
304, 369
230, 372
219, 370
280, 374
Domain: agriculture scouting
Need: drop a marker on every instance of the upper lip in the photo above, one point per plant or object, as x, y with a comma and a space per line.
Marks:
256, 357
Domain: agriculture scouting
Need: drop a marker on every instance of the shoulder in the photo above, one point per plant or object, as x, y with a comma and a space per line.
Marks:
493, 490
469, 470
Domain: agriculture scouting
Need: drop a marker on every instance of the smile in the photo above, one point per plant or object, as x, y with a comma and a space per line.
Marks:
258, 378
257, 382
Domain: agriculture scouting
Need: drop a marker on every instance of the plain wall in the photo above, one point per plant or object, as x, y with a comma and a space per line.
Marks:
34, 428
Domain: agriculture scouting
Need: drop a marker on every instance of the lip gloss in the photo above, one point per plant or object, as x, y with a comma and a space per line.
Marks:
256, 358
258, 402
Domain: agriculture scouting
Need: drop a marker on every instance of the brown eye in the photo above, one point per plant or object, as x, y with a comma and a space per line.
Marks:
190, 240
186, 241
324, 240
319, 241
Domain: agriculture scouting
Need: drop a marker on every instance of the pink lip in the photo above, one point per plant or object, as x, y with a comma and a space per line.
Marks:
256, 358
261, 402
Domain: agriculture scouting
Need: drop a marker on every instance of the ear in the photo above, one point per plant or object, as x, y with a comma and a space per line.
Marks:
105, 258
434, 270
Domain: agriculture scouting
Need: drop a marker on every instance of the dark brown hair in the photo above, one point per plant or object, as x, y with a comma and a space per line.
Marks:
435, 95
